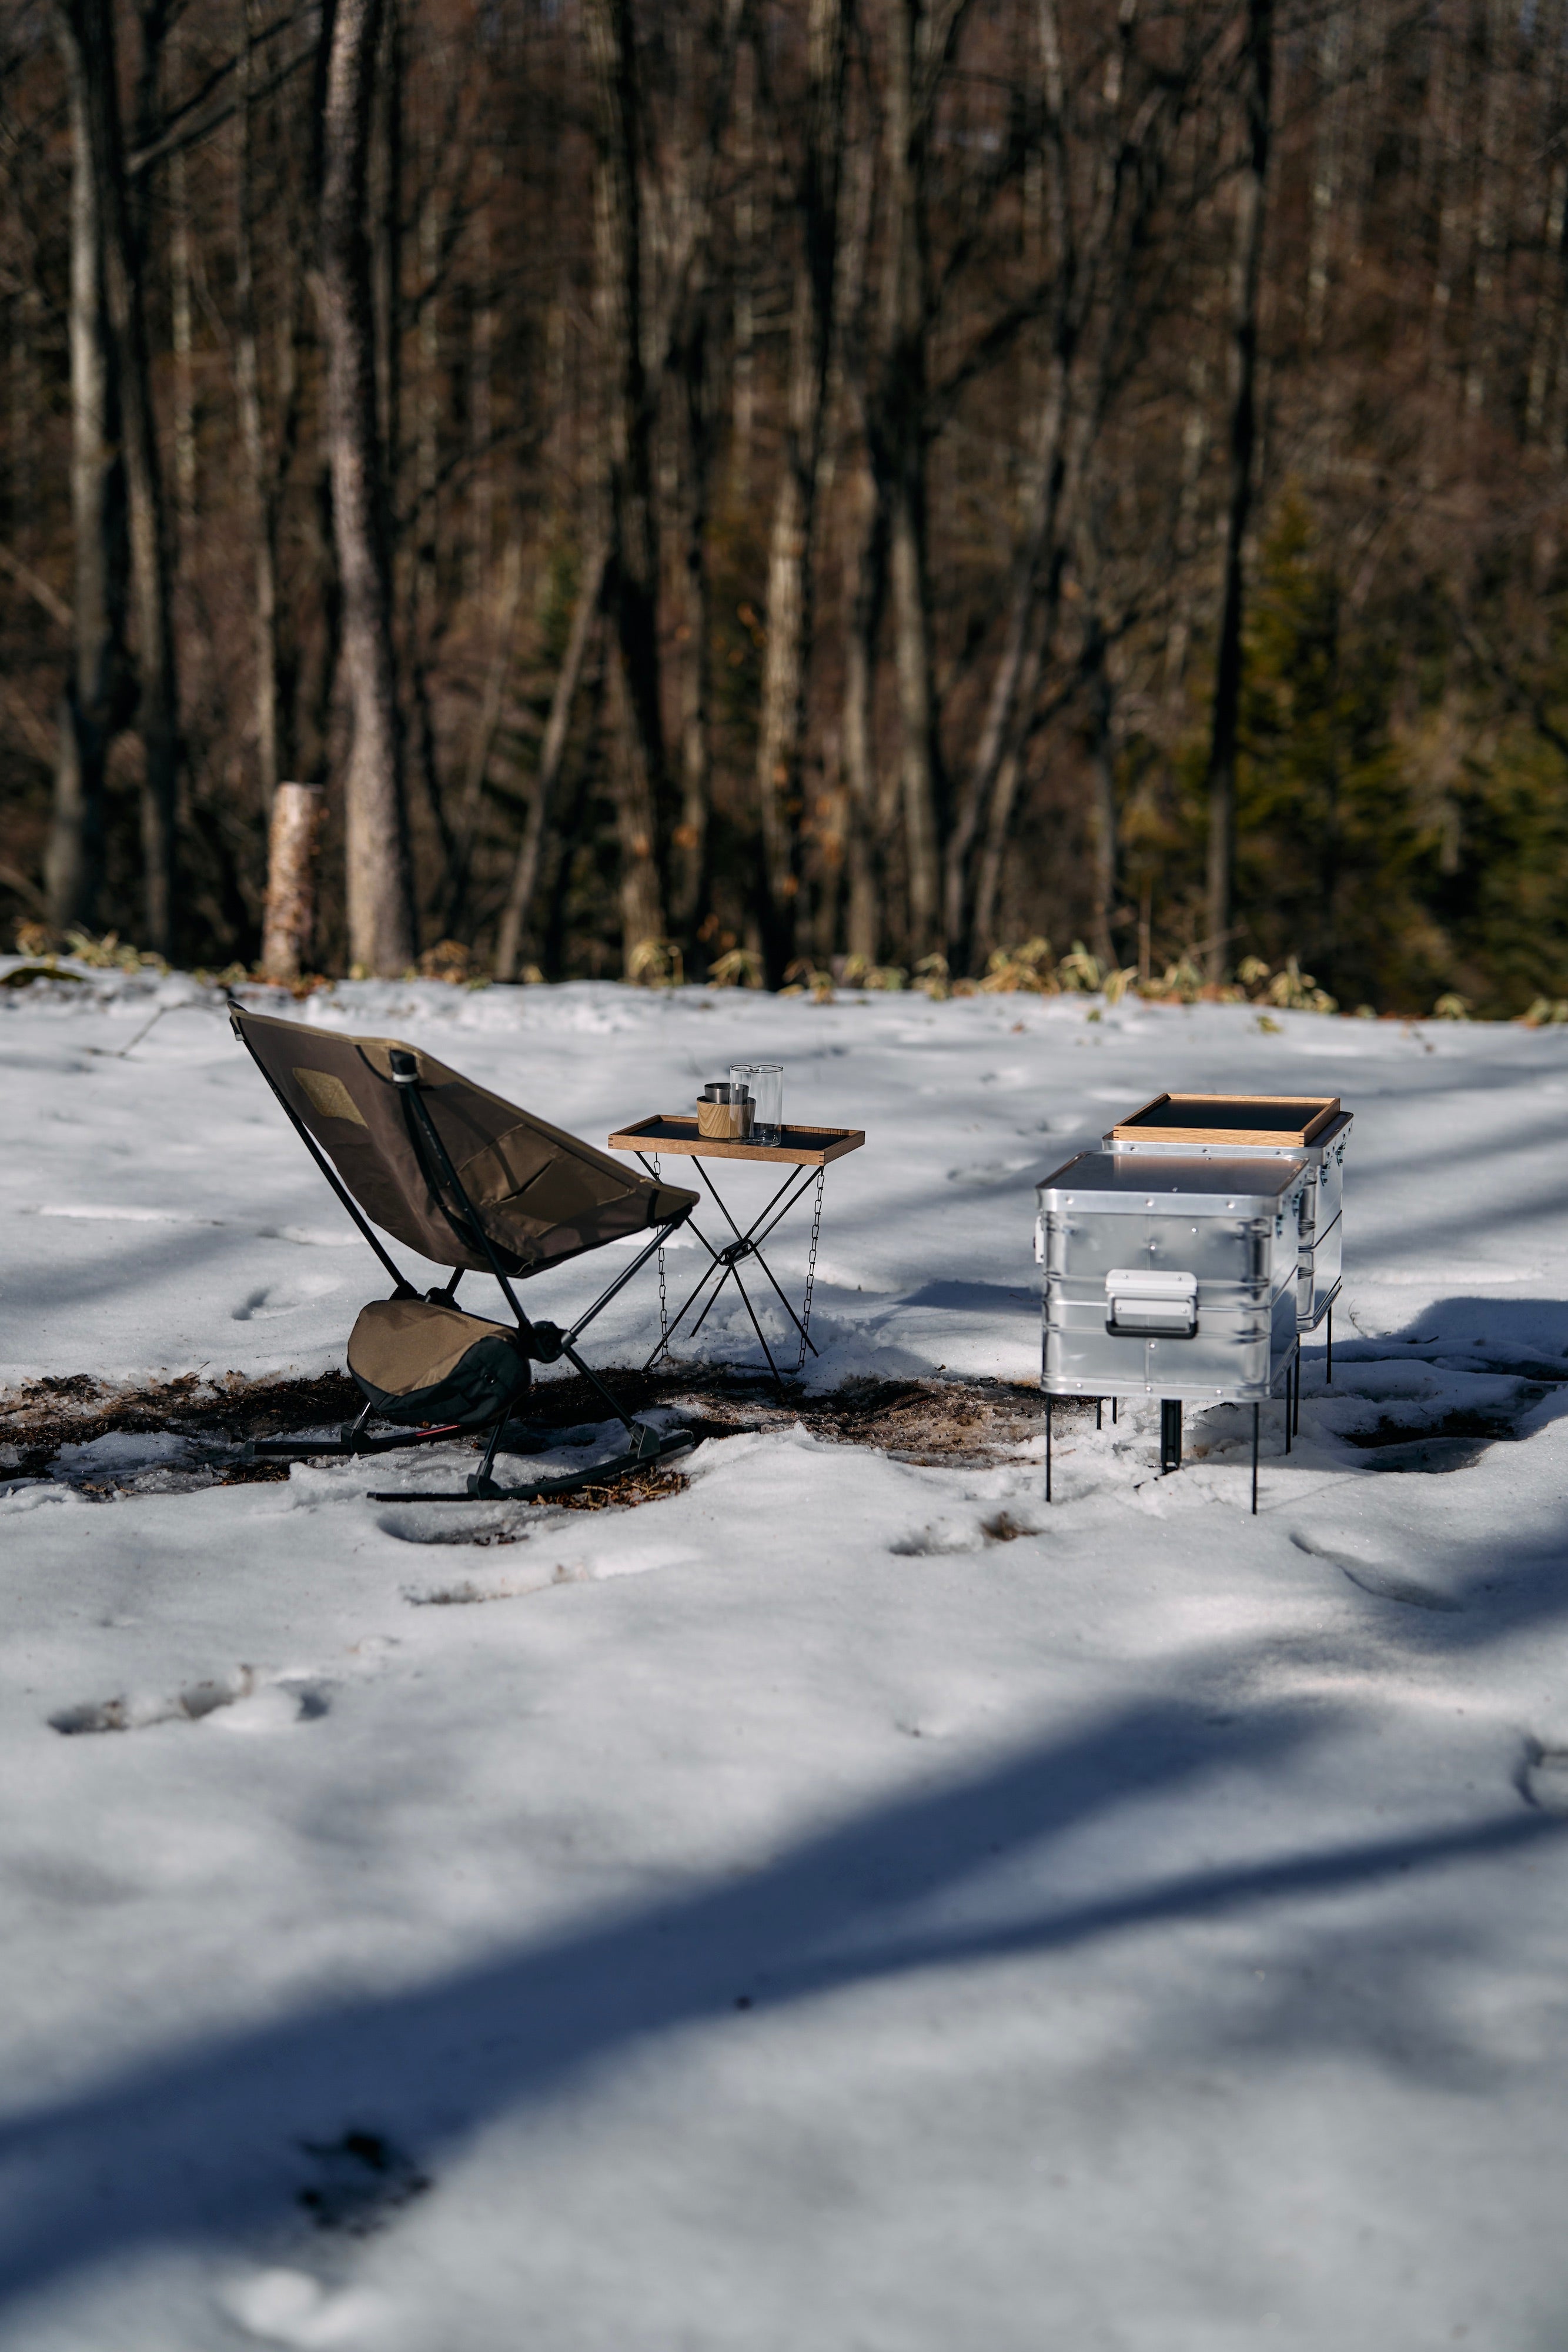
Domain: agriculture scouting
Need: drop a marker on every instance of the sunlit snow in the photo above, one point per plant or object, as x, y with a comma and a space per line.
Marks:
785, 1916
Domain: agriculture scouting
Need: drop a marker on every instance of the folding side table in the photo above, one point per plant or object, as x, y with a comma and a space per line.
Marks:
805, 1151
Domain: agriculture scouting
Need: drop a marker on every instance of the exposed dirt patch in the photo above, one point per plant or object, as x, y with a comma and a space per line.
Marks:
37, 1420
936, 1423
646, 1486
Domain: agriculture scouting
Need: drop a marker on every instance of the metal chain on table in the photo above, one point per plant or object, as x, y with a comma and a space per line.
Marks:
663, 1303
811, 1265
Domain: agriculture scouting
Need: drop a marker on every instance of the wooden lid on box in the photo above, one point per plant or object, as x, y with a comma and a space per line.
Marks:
1280, 1120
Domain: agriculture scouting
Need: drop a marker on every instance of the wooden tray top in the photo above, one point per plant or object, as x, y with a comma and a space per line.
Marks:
1281, 1119
807, 1147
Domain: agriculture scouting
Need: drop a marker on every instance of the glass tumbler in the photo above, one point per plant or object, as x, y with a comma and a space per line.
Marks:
766, 1083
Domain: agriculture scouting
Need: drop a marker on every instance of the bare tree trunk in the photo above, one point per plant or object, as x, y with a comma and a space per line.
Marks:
641, 906
693, 470
1003, 703
1193, 450
99, 692
1491, 236
25, 404
459, 863
1256, 87
918, 35
1102, 802
632, 580
181, 322
293, 838
481, 399
1448, 82
787, 652
247, 380
865, 597
90, 28
524, 874
381, 917
743, 366
998, 822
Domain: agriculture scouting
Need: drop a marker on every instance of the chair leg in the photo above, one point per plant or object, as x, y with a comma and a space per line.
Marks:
353, 1431
1048, 1402
483, 1471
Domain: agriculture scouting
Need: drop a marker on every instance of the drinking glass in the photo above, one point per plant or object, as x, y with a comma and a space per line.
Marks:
765, 1081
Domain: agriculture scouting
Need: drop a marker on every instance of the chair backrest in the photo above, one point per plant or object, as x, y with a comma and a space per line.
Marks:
541, 1195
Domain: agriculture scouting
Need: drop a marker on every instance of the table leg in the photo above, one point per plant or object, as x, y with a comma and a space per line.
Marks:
726, 1262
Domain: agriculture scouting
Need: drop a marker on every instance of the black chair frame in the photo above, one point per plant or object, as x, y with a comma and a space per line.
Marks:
543, 1342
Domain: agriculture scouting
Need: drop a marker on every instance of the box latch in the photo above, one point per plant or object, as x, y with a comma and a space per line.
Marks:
1143, 1304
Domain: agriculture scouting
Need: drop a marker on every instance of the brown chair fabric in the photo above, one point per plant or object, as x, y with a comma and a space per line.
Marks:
542, 1195
400, 1345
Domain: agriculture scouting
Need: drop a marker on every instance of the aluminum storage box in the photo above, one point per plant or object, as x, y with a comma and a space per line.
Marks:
1312, 1128
1170, 1275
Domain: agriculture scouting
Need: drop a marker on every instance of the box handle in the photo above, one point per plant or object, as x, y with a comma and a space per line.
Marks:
1141, 1304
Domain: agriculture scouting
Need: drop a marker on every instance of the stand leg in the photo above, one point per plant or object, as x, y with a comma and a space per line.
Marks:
1099, 1412
1114, 1402
757, 1327
1290, 1391
1170, 1435
1048, 1403
1255, 1413
1329, 1374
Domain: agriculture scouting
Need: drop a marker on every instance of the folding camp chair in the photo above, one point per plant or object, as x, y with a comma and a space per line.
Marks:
470, 1182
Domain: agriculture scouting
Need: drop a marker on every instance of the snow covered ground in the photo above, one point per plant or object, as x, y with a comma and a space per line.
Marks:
787, 1915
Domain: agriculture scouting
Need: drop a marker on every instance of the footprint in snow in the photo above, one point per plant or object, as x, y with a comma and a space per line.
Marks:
993, 1171
361, 2179
1385, 1580
257, 1707
1544, 1780
287, 1297
940, 1539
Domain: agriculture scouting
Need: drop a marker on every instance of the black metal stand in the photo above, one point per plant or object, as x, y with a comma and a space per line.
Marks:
1171, 1427
1328, 1372
724, 1264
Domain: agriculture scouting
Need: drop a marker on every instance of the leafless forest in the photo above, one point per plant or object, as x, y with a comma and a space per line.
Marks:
774, 486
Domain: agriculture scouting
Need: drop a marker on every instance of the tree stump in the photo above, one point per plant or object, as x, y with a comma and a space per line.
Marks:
289, 928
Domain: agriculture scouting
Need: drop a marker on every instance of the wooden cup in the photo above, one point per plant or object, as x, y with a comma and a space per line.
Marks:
724, 1122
